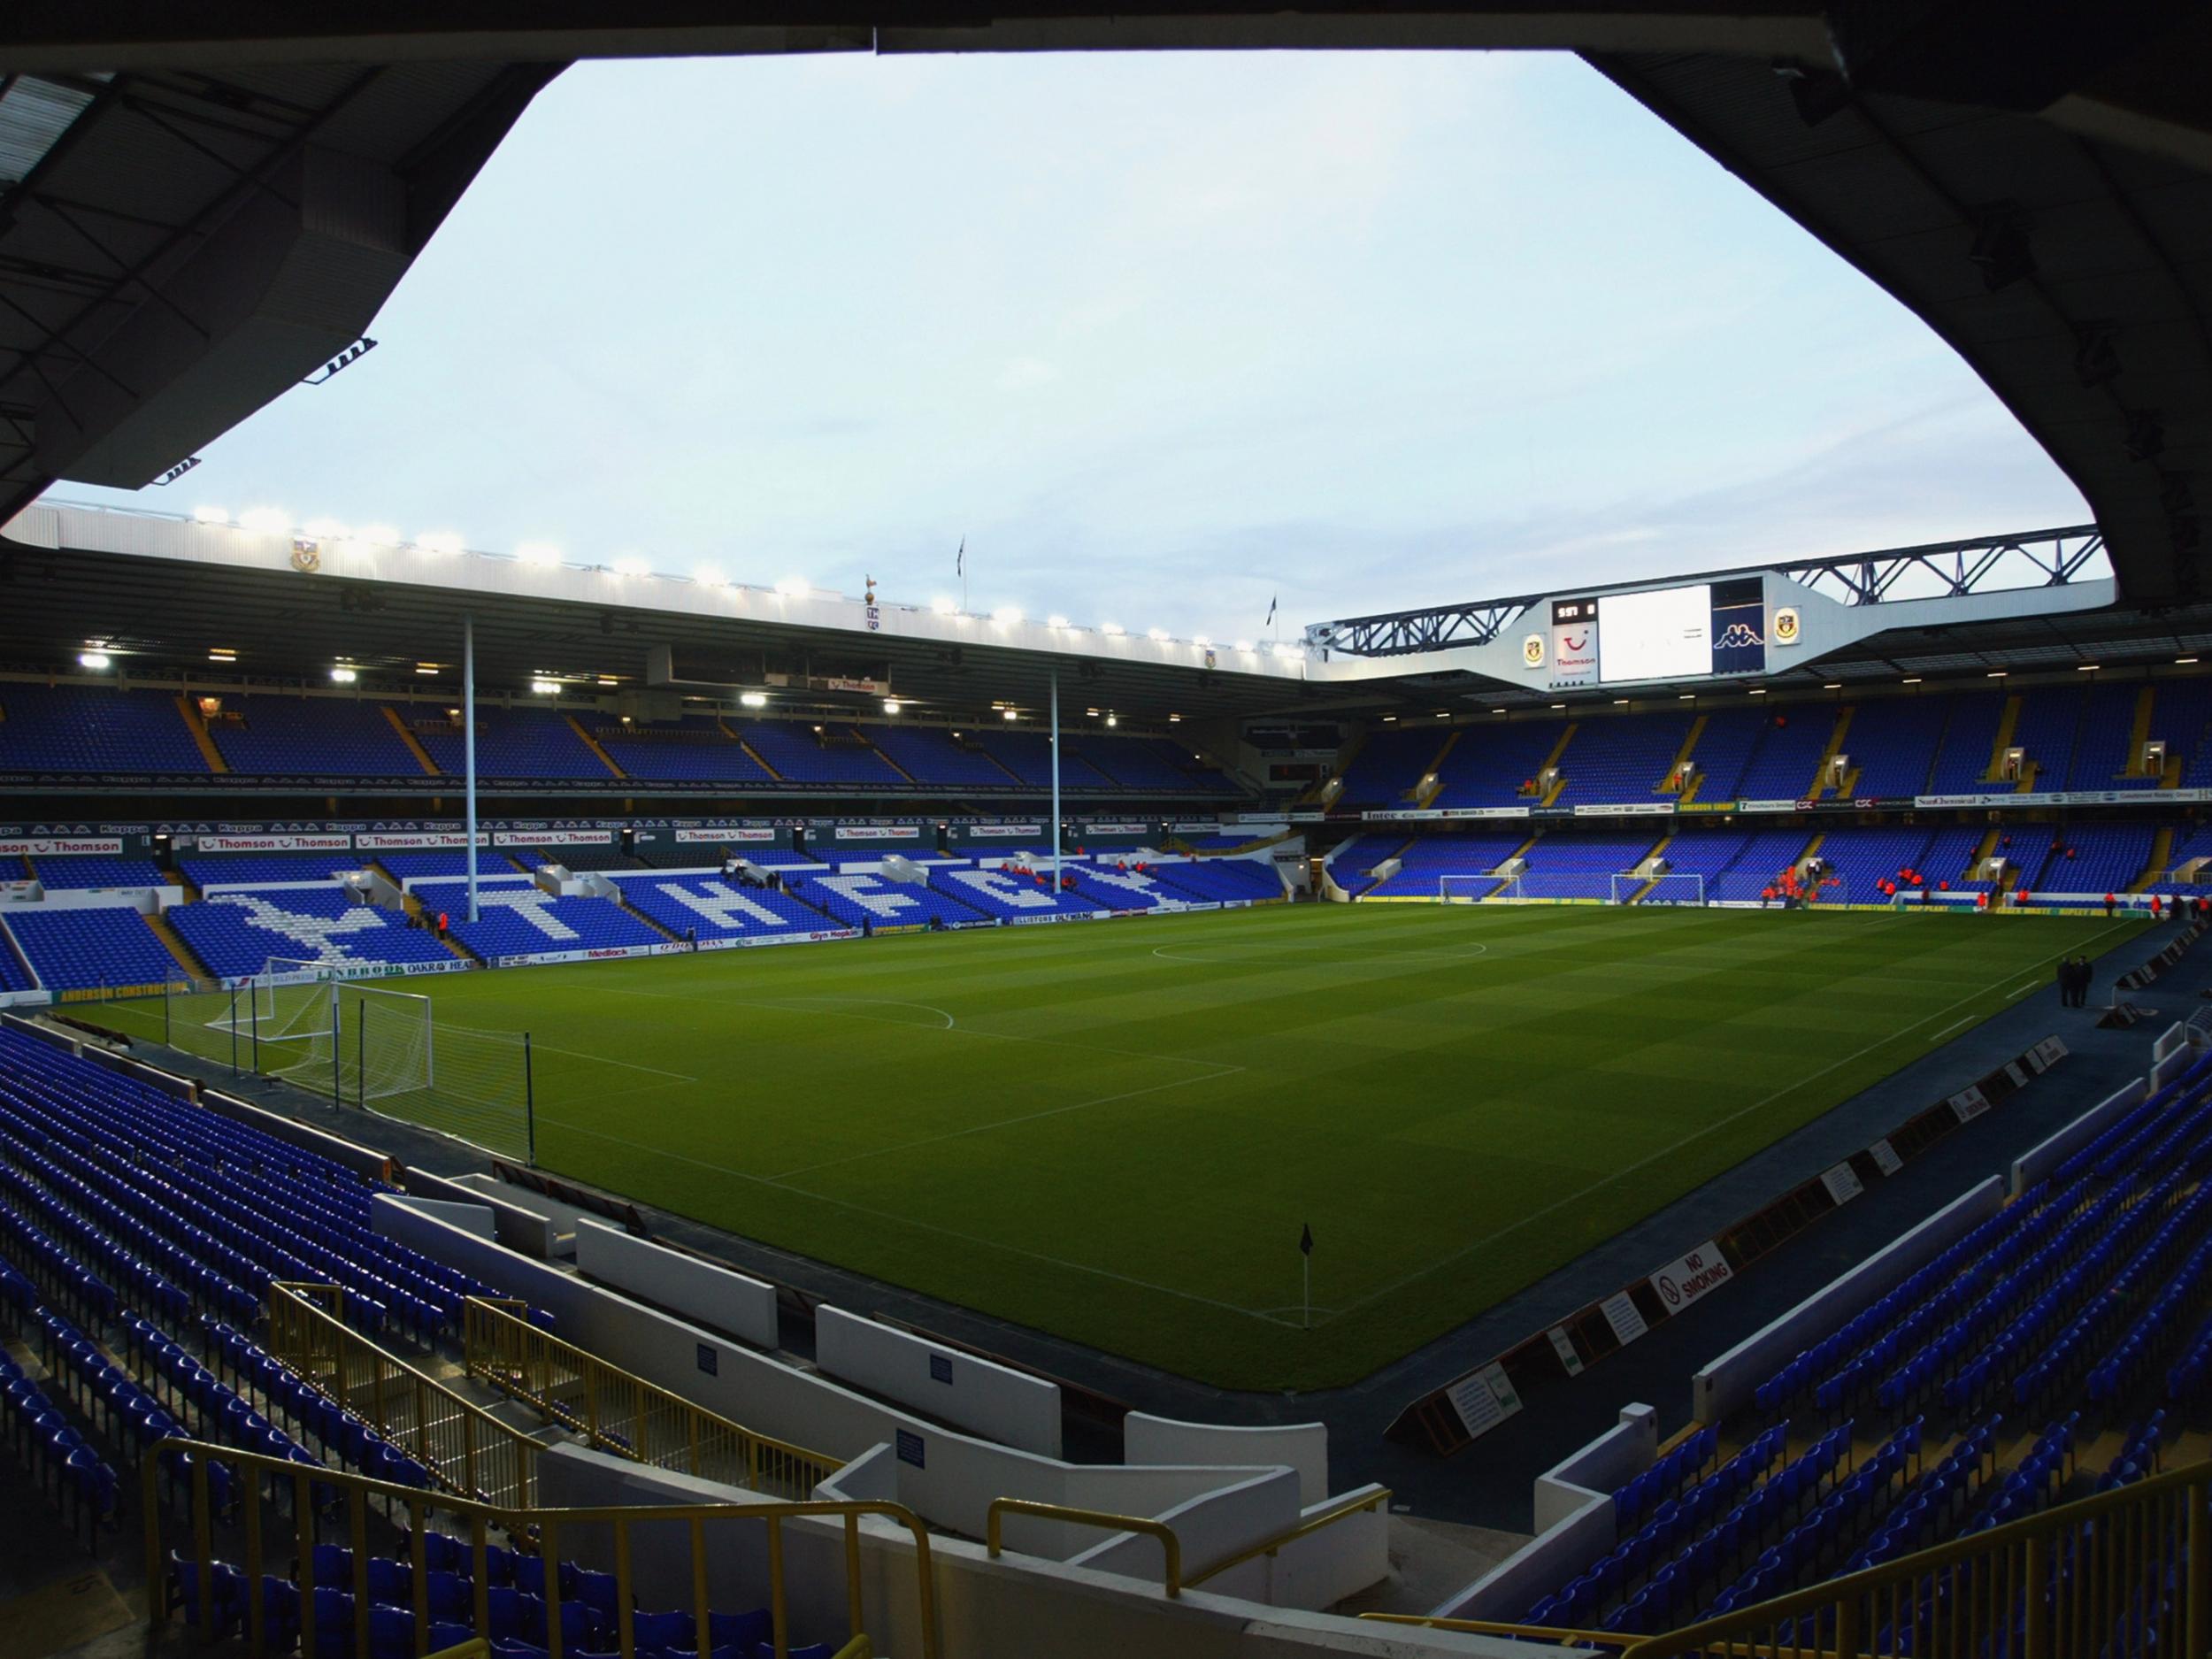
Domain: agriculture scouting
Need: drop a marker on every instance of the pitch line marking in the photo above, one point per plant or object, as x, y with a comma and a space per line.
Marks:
1963, 1020
957, 1030
1669, 1151
577, 1053
926, 1226
1417, 956
1004, 1122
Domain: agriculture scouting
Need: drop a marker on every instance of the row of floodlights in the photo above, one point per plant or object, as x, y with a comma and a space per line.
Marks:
275, 521
346, 674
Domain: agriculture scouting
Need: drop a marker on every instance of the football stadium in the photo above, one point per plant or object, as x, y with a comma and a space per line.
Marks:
1665, 1115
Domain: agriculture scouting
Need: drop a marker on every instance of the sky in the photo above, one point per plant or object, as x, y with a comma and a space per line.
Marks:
1161, 337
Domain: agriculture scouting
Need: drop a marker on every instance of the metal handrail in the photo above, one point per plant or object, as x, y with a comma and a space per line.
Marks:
622, 1413
1171, 1546
1357, 1504
462, 1446
1557, 1637
2097, 1555
307, 1487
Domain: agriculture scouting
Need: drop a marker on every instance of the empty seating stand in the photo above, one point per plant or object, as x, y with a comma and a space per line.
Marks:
237, 934
91, 949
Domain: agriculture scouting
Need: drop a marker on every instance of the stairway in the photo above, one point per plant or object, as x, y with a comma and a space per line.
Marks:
197, 726
169, 936
592, 743
414, 743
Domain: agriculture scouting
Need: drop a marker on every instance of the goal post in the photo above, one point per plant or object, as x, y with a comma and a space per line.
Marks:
1686, 887
1461, 887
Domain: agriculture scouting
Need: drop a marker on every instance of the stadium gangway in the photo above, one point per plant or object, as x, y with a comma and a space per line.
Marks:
462, 1446
2092, 1575
624, 1414
300, 1483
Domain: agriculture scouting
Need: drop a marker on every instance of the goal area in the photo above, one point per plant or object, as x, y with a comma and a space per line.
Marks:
357, 1043
1674, 887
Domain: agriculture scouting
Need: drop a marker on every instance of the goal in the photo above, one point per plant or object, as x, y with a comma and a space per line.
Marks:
1463, 890
1473, 889
355, 1042
1685, 886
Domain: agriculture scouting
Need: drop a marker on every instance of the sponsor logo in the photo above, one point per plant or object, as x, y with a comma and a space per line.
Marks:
39, 847
1738, 636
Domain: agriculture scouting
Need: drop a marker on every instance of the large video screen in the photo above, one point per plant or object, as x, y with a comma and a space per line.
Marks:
1666, 633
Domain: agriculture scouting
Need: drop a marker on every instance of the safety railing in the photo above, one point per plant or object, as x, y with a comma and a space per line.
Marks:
2124, 1571
625, 1413
286, 1507
461, 1446
1171, 1546
1360, 1503
1601, 1640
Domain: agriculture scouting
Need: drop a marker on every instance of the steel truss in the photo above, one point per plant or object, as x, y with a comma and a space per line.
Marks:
2033, 558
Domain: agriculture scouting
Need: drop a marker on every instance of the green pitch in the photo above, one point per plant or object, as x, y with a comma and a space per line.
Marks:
1115, 1131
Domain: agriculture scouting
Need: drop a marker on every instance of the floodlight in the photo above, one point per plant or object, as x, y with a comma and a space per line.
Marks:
1007, 615
1112, 630
891, 705
545, 688
794, 587
944, 605
708, 575
440, 541
377, 535
1243, 645
211, 514
1012, 715
93, 659
538, 553
1113, 719
1155, 633
1055, 622
631, 564
343, 676
267, 521
221, 654
754, 699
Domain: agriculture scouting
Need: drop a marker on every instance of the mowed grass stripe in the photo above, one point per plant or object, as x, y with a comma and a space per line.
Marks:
1116, 1131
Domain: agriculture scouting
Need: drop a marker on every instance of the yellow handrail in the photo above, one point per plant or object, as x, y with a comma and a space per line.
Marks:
1520, 1633
1357, 1504
268, 1481
1171, 1546
464, 1447
625, 1413
475, 1647
2062, 1580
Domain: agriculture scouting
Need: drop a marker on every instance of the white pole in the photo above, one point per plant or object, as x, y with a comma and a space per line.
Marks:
1055, 785
1305, 1320
468, 743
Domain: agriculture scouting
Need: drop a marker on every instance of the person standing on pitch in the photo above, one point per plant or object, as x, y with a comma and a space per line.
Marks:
2085, 971
2066, 982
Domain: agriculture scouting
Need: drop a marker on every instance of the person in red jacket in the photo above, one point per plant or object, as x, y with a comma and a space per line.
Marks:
2158, 907
2110, 902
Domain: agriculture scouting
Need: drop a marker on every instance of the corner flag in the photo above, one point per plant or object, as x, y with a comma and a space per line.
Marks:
1305, 1239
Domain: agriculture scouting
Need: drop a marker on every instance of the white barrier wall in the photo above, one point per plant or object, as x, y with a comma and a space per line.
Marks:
1599, 1469
1009, 1605
946, 1476
2039, 1161
1575, 1523
1303, 1446
1004, 1405
1728, 1381
1210, 1527
558, 1219
686, 1285
2172, 1066
476, 1218
2171, 1041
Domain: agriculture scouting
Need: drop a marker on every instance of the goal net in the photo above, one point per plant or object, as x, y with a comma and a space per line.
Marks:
353, 1041
1683, 887
1470, 889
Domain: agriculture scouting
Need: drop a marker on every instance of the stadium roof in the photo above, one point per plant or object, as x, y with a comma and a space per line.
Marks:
179, 247
160, 592
200, 233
